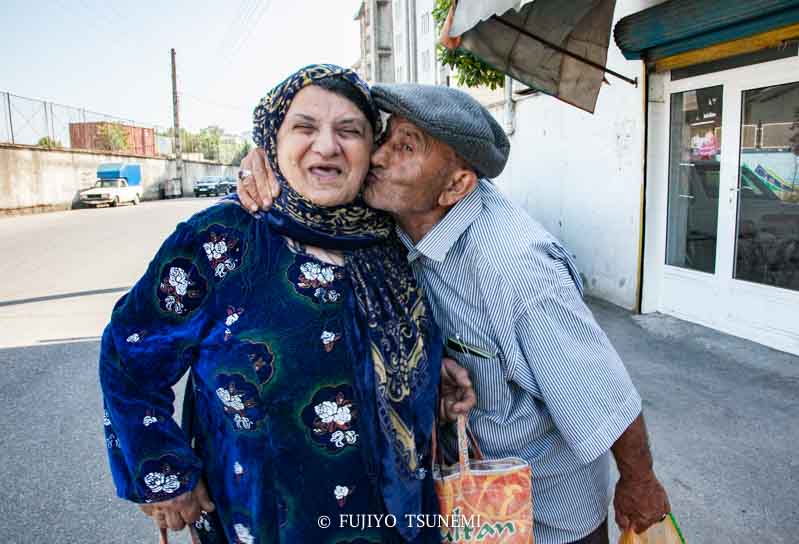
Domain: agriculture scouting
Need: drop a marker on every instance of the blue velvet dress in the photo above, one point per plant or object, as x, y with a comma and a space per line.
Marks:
274, 428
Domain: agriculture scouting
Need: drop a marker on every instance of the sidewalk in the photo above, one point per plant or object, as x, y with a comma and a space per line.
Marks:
723, 418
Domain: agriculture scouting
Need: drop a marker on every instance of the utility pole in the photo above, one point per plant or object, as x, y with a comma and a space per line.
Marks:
176, 126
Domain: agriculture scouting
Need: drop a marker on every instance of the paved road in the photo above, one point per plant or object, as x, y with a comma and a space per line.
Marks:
722, 412
62, 273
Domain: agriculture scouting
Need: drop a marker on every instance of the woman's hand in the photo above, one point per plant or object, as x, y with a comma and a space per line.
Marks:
261, 188
456, 391
184, 509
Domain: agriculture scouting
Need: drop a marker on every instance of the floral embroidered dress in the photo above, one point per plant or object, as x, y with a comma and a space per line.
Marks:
275, 419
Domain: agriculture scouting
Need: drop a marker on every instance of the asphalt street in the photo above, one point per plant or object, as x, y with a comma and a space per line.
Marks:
722, 412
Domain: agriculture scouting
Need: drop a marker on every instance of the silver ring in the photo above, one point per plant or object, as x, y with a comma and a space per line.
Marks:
243, 173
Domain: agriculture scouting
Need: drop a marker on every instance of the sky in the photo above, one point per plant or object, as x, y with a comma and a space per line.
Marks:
113, 57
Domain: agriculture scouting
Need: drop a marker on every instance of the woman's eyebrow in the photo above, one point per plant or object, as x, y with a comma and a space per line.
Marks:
351, 121
304, 117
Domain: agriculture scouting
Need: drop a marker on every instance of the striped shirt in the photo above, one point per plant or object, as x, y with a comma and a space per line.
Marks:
550, 387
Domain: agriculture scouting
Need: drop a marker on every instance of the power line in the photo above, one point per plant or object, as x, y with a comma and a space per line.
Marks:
251, 28
236, 22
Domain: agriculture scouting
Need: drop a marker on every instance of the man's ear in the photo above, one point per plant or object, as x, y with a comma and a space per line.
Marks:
462, 181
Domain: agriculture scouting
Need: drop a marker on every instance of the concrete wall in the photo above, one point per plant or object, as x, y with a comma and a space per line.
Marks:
581, 175
32, 177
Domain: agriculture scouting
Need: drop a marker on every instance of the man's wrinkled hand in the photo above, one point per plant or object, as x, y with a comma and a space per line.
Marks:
261, 188
184, 509
640, 502
456, 391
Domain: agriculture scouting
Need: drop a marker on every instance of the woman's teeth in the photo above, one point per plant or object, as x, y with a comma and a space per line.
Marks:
325, 172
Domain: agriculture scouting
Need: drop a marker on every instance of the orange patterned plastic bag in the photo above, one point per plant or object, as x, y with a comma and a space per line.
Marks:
484, 500
664, 532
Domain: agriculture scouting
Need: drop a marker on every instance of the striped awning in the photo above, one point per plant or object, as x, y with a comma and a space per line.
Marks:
557, 47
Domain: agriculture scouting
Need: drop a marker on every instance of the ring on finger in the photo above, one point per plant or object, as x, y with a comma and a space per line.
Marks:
244, 173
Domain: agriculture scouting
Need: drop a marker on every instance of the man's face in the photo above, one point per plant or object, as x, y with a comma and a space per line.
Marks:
409, 171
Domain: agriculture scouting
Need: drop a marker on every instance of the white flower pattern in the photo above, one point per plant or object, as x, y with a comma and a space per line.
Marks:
341, 438
242, 422
243, 535
133, 338
173, 305
326, 295
179, 280
341, 492
203, 524
162, 483
326, 411
232, 318
232, 401
112, 441
149, 420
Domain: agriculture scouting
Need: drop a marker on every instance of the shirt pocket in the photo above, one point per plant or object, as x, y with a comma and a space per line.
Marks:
488, 375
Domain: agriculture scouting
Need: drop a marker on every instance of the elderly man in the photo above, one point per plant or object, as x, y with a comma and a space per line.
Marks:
550, 387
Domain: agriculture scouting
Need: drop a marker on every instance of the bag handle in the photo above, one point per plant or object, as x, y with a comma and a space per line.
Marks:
465, 439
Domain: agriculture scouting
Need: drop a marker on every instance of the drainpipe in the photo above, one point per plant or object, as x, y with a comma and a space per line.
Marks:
410, 20
510, 107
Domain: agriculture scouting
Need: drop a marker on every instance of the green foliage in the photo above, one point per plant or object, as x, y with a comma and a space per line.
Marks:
471, 71
49, 143
112, 137
241, 153
208, 140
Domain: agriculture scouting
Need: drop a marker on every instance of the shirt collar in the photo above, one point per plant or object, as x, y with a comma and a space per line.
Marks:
436, 244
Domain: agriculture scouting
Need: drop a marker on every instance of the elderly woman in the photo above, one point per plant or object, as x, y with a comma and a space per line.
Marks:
313, 360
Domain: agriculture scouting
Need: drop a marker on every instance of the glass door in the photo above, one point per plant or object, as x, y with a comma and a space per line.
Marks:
767, 225
728, 237
694, 169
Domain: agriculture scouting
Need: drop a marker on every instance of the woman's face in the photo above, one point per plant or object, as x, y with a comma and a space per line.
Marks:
323, 147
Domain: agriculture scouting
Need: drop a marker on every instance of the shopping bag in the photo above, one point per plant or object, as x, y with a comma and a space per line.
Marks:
663, 532
483, 500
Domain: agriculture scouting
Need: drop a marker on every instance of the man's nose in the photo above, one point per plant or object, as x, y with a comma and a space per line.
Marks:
326, 143
379, 157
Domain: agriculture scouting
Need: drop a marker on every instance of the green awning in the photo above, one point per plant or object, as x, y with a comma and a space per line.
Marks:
678, 26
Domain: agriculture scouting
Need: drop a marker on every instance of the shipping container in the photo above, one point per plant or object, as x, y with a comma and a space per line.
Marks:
138, 140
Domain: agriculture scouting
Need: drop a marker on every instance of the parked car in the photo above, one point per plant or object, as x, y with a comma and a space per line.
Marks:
208, 186
228, 185
116, 183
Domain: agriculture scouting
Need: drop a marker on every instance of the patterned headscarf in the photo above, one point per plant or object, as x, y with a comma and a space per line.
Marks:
391, 337
351, 220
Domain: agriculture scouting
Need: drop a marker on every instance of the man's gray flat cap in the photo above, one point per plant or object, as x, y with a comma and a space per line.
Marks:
453, 117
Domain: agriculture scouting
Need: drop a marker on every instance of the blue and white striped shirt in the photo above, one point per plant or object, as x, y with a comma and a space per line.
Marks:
554, 391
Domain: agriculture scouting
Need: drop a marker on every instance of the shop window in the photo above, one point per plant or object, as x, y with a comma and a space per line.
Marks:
767, 226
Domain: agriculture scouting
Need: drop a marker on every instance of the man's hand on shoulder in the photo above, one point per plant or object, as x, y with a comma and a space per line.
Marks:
259, 187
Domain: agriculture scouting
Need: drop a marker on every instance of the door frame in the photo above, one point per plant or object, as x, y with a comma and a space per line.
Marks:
714, 300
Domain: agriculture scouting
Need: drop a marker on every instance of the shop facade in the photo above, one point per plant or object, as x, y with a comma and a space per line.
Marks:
721, 213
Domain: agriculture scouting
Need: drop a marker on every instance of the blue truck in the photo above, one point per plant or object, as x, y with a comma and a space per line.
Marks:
116, 183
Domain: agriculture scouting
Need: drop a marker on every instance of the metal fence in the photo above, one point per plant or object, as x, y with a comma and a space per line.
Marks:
28, 121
